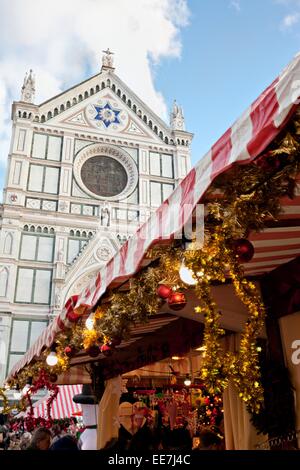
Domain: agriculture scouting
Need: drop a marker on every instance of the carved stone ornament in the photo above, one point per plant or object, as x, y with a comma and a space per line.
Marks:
103, 253
105, 172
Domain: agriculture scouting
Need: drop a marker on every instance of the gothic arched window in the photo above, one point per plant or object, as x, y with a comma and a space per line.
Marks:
8, 244
3, 281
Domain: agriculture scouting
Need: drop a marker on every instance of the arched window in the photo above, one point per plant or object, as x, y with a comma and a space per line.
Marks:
8, 244
3, 281
134, 108
119, 92
74, 101
145, 118
108, 82
129, 103
113, 87
155, 129
77, 233
32, 228
124, 98
150, 124
62, 107
39, 229
80, 98
45, 230
86, 94
161, 135
55, 112
91, 91
103, 86
52, 230
25, 228
24, 115
43, 118
166, 140
72, 233
97, 88
49, 115
68, 104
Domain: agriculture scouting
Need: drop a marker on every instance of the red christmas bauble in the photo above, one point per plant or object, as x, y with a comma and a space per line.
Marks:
69, 351
69, 306
53, 378
72, 316
106, 350
243, 249
177, 300
93, 351
163, 291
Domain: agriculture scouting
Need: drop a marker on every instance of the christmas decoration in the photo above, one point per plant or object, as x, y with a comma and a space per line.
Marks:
53, 378
164, 291
69, 351
243, 249
93, 351
177, 301
106, 350
209, 407
71, 315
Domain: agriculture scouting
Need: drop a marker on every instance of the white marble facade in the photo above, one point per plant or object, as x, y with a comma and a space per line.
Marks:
64, 213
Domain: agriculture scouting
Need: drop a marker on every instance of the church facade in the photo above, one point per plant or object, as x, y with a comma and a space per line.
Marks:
85, 169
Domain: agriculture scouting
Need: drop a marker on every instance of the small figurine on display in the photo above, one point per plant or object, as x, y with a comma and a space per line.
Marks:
89, 405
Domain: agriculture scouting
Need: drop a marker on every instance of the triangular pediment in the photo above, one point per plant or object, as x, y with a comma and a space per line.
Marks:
105, 104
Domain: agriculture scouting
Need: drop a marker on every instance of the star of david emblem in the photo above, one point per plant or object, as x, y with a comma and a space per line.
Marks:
107, 115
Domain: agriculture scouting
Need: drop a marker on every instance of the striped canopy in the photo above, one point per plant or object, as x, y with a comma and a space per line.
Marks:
240, 144
62, 407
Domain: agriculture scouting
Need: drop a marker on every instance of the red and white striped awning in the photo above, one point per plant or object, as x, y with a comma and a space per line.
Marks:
247, 138
62, 407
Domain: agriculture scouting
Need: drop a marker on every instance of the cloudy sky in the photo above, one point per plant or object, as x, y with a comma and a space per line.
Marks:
214, 56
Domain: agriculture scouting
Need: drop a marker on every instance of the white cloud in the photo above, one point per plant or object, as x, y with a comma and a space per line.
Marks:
62, 41
236, 5
290, 20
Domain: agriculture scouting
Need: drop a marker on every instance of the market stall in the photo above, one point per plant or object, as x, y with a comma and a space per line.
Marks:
171, 287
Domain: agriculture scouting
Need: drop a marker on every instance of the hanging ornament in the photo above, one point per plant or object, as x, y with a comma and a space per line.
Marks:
69, 306
53, 378
177, 300
69, 351
243, 249
93, 351
106, 350
163, 291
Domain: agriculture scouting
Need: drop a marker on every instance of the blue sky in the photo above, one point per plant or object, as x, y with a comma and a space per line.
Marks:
229, 56
214, 56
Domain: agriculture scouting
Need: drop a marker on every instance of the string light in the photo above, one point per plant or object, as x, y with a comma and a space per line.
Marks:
89, 323
52, 359
187, 381
187, 275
